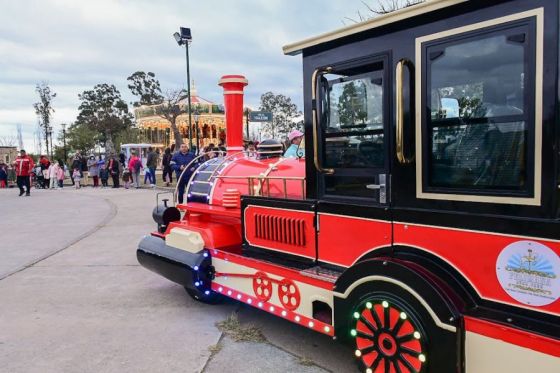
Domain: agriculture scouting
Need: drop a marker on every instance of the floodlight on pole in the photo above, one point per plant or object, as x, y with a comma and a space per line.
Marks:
184, 37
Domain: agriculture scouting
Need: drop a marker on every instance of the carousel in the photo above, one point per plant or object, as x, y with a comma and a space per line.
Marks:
207, 119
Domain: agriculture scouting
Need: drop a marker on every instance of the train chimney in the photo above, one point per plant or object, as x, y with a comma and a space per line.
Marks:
233, 86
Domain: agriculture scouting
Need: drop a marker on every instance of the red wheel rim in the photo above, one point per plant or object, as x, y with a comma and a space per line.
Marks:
387, 340
262, 286
288, 294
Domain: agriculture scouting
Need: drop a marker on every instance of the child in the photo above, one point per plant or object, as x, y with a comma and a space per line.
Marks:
104, 176
52, 171
126, 177
3, 176
76, 175
60, 174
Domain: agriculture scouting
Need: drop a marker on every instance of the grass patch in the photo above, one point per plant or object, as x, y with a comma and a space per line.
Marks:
214, 349
303, 360
240, 333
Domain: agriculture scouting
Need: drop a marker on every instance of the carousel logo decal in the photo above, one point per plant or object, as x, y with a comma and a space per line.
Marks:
529, 272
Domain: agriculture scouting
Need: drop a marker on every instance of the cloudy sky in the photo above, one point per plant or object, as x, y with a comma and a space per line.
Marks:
74, 45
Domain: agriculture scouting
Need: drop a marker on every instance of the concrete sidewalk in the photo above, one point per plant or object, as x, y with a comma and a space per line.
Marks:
81, 303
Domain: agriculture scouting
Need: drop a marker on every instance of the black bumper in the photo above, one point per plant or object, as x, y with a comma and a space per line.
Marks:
191, 270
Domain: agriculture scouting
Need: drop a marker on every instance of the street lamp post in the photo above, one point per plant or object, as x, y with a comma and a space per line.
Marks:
184, 37
64, 141
49, 139
196, 119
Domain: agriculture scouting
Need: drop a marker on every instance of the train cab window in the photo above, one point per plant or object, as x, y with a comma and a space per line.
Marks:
478, 125
353, 129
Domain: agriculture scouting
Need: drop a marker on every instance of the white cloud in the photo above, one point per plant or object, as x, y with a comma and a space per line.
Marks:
74, 45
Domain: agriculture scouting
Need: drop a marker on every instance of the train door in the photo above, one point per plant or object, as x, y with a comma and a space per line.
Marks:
351, 148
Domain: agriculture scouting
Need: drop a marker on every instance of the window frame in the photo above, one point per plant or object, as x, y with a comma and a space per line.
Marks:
532, 20
359, 172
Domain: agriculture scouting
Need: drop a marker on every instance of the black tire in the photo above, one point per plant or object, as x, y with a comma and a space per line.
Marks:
210, 298
409, 338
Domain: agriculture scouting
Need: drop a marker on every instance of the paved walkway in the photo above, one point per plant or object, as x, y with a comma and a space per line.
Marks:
74, 298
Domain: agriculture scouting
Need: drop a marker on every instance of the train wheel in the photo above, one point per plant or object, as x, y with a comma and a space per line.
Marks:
208, 296
392, 332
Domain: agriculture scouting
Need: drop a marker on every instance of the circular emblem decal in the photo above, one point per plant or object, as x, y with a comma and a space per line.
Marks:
529, 272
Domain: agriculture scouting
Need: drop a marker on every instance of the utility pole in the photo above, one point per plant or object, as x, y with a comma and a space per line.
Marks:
64, 141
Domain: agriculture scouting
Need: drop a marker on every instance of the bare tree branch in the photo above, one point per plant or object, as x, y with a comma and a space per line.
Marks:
8, 141
381, 7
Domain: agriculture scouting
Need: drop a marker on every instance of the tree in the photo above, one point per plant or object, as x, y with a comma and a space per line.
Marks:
283, 111
8, 141
44, 109
382, 7
146, 87
104, 111
170, 109
81, 137
351, 102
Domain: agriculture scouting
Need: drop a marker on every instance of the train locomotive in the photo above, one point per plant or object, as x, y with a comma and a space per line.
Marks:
422, 226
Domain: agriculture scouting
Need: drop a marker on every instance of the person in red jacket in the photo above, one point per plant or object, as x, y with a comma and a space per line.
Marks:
23, 166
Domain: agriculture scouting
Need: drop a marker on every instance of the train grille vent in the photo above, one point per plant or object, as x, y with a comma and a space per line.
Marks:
288, 231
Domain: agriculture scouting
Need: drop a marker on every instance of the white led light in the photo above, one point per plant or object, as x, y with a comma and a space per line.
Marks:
271, 309
197, 283
195, 268
327, 329
297, 318
284, 313
369, 305
311, 324
207, 292
356, 315
358, 353
353, 332
385, 304
417, 335
238, 296
422, 358
229, 292
220, 289
403, 315
260, 304
249, 301
368, 370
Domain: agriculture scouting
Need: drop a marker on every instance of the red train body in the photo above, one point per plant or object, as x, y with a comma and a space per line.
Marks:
388, 235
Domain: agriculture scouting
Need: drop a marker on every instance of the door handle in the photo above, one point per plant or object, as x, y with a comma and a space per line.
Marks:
400, 111
382, 187
316, 158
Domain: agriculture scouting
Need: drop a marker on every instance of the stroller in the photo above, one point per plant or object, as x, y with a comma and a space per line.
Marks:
37, 178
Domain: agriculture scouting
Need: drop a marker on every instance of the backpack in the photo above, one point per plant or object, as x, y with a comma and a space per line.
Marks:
137, 165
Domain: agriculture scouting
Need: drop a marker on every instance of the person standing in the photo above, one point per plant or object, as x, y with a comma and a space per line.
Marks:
104, 175
93, 169
113, 167
135, 166
53, 172
126, 177
181, 160
23, 165
84, 171
166, 165
295, 137
3, 175
60, 174
76, 174
76, 163
151, 163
